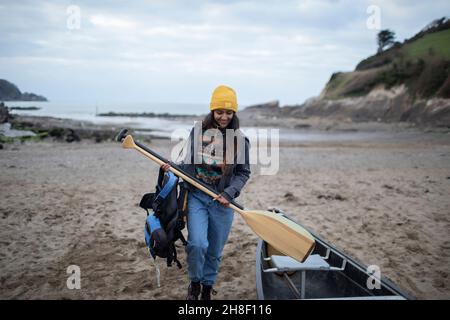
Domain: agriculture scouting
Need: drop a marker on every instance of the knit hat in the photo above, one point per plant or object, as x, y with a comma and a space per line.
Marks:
223, 97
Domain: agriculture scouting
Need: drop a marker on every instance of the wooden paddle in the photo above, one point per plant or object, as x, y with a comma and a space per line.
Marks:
283, 234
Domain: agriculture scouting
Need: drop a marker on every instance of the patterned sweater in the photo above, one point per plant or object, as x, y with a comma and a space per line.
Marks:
232, 183
212, 155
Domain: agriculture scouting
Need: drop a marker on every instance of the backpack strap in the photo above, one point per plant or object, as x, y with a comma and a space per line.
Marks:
168, 186
183, 200
182, 213
173, 256
171, 182
182, 238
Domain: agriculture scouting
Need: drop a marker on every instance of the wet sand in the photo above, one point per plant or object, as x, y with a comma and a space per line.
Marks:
383, 200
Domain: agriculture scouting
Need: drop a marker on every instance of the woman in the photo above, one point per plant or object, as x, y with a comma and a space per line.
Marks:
221, 166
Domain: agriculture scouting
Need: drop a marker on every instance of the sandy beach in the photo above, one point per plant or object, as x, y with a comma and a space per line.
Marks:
383, 199
357, 94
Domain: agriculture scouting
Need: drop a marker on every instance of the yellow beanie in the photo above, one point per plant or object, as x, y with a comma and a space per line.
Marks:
223, 97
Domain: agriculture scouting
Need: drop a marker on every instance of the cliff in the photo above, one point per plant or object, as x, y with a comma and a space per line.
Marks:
10, 92
408, 82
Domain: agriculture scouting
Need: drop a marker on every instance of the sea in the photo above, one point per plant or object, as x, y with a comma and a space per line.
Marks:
162, 127
89, 112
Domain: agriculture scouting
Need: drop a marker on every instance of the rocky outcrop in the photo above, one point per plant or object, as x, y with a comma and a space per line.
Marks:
71, 130
10, 92
4, 113
260, 110
394, 105
268, 106
380, 105
410, 82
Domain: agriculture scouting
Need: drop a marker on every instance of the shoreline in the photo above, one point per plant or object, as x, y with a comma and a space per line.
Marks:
291, 129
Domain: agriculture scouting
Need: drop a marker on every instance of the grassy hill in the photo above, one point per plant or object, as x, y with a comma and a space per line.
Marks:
421, 63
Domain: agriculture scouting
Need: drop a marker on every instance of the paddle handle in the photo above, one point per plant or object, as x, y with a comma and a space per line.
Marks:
185, 176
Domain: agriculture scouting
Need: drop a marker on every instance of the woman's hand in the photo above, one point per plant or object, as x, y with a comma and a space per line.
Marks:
165, 167
222, 200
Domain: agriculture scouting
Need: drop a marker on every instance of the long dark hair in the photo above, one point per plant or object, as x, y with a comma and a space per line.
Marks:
209, 122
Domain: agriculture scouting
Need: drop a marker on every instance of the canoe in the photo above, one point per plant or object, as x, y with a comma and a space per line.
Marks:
326, 274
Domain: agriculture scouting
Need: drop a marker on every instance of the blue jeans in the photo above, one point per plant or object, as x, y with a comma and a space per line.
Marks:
208, 224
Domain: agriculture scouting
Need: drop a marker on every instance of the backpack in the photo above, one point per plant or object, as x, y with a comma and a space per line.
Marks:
166, 211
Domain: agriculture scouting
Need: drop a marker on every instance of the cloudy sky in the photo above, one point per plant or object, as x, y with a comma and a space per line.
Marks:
178, 51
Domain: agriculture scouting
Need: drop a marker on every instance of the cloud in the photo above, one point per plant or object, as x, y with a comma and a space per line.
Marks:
104, 21
269, 50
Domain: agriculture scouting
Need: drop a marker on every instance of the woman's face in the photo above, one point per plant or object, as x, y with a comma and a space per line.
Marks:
223, 117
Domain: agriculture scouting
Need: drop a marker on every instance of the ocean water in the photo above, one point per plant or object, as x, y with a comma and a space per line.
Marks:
169, 128
87, 111
70, 108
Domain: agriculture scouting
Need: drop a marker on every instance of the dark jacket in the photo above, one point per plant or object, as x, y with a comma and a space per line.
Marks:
231, 184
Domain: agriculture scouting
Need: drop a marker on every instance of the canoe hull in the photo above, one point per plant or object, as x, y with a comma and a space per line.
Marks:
344, 279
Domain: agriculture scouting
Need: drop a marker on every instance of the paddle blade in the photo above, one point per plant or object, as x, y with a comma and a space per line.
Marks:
283, 234
128, 142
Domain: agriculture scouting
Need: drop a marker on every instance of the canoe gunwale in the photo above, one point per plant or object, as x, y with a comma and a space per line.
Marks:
328, 251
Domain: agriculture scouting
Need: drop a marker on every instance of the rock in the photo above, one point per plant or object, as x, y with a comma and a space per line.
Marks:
72, 136
270, 108
302, 126
64, 129
289, 196
7, 131
4, 113
10, 92
339, 197
57, 133
331, 197
68, 135
26, 96
31, 108
268, 105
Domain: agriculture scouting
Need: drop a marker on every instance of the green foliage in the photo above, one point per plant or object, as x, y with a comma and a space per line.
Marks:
5, 139
38, 137
337, 81
422, 64
385, 38
438, 44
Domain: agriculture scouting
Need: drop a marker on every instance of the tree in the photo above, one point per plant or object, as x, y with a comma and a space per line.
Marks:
385, 38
